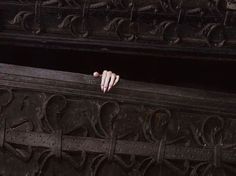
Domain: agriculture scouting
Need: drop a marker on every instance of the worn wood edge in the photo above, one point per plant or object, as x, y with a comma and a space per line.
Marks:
128, 91
105, 46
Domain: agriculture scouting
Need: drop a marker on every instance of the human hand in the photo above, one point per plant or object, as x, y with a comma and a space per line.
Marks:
108, 80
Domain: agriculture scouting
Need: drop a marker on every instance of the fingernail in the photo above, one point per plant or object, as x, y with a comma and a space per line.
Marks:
105, 89
109, 88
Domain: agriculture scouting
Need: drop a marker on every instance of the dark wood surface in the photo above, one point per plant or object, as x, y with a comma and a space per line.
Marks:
60, 123
176, 117
174, 29
201, 74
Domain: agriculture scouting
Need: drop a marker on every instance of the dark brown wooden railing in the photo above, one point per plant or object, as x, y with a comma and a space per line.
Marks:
166, 28
60, 123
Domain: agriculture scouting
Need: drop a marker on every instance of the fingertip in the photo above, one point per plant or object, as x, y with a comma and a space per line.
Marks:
109, 88
96, 74
117, 80
105, 89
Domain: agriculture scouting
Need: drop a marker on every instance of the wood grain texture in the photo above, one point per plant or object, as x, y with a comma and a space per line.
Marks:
59, 123
174, 28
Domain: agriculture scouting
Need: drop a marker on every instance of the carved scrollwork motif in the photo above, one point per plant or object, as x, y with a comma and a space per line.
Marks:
231, 5
51, 118
212, 135
26, 20
109, 131
173, 21
21, 18
217, 6
77, 25
169, 5
21, 152
124, 28
93, 136
156, 130
6, 98
214, 34
168, 32
29, 20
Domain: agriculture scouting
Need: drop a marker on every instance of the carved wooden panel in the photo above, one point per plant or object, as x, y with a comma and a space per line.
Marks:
59, 123
122, 26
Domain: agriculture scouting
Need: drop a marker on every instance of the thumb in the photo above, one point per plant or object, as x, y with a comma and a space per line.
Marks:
96, 74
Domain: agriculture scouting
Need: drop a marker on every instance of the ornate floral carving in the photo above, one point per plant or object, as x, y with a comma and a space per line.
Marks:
109, 112
89, 134
212, 135
22, 152
26, 20
214, 34
51, 118
77, 25
173, 21
157, 130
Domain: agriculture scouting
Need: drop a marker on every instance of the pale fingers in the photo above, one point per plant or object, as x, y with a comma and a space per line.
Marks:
103, 80
116, 80
107, 79
112, 80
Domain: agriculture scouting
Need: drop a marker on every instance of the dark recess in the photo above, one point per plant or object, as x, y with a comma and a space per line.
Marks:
210, 75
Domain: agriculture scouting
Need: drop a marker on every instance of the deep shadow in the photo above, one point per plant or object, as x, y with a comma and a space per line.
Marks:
211, 75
